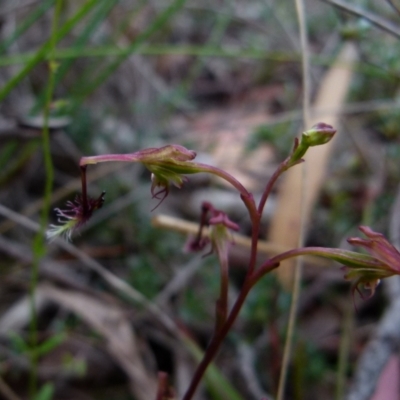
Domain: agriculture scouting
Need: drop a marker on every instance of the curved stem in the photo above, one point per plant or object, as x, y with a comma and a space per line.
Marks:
281, 168
219, 336
223, 328
246, 196
84, 189
324, 252
187, 168
254, 245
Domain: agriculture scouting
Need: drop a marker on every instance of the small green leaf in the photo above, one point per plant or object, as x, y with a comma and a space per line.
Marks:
46, 392
48, 345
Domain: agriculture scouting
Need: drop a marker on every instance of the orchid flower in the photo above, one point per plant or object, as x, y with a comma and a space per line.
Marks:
386, 255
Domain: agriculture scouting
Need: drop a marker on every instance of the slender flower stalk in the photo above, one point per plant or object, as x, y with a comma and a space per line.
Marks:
164, 392
365, 270
167, 165
319, 134
220, 239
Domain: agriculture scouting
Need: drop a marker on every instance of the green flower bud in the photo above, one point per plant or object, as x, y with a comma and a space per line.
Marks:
320, 133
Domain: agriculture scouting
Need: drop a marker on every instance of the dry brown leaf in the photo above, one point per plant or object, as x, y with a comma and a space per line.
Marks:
108, 320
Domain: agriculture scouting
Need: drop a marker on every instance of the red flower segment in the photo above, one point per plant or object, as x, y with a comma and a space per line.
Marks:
383, 251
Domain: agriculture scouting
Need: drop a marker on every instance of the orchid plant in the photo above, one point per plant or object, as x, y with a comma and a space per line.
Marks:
170, 165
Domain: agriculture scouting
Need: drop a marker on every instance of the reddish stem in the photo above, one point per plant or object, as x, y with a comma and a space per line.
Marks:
215, 344
220, 335
163, 389
246, 196
267, 191
255, 215
84, 190
302, 251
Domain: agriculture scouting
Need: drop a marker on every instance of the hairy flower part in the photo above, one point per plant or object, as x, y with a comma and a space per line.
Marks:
76, 214
386, 255
220, 238
161, 178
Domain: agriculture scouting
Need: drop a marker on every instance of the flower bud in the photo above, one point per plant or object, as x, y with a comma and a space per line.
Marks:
320, 133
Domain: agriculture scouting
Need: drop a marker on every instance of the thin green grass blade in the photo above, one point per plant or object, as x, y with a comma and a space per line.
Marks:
46, 392
87, 75
156, 25
104, 7
26, 24
42, 52
204, 51
223, 19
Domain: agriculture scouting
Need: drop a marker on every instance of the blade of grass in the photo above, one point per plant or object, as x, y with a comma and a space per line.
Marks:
41, 53
205, 51
87, 75
39, 246
344, 351
125, 24
104, 7
155, 26
223, 20
33, 16
296, 290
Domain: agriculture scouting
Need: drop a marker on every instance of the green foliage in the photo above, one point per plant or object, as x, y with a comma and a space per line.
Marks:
311, 366
198, 301
45, 347
278, 135
265, 302
74, 365
45, 392
144, 275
